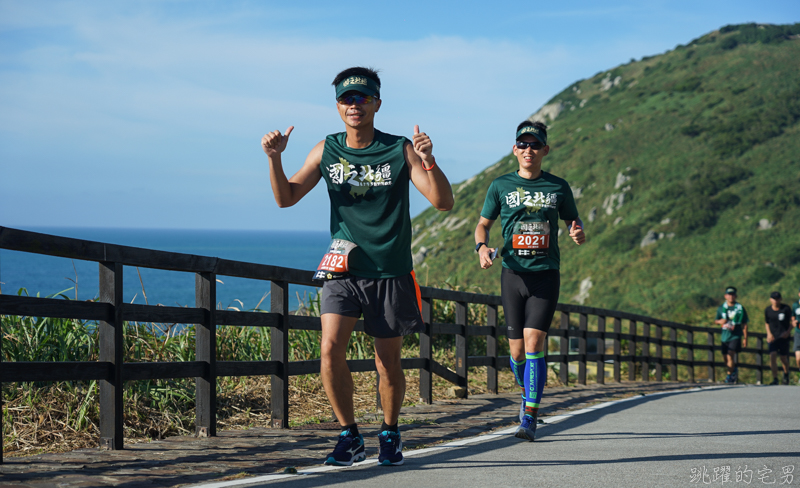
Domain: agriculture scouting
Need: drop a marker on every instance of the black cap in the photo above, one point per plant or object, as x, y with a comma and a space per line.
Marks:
731, 290
776, 295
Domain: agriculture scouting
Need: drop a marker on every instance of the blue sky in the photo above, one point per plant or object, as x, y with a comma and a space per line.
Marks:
148, 114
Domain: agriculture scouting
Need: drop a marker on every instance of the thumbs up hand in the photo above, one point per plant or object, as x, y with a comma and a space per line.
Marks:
273, 143
422, 145
576, 232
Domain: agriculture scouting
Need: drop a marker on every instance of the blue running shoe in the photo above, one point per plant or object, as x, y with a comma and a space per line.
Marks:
349, 450
391, 449
729, 379
527, 429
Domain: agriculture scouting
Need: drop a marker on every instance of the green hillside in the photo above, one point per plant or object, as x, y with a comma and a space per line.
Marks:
692, 149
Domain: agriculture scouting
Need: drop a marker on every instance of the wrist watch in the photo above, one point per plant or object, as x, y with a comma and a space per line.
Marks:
478, 246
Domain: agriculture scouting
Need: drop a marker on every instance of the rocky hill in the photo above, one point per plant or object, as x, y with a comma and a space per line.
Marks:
686, 170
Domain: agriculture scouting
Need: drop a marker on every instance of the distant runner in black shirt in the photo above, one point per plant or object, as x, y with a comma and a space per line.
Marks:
778, 318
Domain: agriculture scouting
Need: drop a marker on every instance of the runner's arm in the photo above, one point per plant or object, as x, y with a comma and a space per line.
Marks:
431, 183
482, 235
744, 335
576, 231
289, 191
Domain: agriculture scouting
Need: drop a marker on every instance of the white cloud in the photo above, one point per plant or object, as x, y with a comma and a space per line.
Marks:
94, 91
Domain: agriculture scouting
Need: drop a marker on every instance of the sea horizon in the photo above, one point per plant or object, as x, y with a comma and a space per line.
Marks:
48, 275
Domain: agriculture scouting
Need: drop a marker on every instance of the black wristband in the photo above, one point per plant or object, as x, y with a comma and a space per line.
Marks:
478, 246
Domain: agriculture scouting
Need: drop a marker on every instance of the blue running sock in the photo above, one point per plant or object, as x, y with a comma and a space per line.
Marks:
535, 376
518, 367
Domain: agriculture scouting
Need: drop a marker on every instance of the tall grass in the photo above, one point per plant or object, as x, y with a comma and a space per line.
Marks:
66, 414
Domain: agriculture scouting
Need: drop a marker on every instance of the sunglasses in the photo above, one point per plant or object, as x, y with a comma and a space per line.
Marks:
533, 145
355, 99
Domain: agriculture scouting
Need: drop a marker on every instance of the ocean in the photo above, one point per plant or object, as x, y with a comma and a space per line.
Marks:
47, 275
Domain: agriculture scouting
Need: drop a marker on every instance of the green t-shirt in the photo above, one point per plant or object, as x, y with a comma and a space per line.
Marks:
529, 211
737, 317
368, 190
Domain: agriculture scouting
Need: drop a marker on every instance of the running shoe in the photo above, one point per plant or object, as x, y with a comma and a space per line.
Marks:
785, 378
391, 449
349, 450
527, 429
774, 381
729, 379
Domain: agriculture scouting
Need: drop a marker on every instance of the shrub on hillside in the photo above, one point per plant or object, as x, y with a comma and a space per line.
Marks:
765, 275
788, 255
623, 239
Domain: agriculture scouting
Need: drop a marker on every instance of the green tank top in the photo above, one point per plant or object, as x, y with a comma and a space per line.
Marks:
368, 189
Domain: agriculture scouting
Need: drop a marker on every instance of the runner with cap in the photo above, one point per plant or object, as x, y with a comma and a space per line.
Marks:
529, 202
368, 268
732, 316
778, 318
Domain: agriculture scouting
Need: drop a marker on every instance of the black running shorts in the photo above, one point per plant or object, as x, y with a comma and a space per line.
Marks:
734, 345
781, 346
529, 299
391, 306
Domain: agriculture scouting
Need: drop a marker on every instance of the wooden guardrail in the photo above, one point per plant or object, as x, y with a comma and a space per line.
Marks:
642, 347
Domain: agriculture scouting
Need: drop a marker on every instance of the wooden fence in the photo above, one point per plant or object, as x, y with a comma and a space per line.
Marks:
642, 345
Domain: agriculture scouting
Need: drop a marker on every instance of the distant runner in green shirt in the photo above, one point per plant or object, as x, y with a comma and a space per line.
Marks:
529, 202
367, 269
732, 316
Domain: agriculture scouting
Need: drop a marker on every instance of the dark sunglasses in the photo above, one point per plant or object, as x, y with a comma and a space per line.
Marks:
355, 99
533, 145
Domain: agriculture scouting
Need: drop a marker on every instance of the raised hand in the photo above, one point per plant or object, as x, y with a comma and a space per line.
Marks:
273, 143
422, 145
576, 232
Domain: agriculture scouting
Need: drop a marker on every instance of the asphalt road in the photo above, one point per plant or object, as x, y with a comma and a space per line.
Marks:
690, 438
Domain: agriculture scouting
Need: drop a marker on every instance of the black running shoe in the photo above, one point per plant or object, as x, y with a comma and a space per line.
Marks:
785, 378
774, 381
391, 449
349, 450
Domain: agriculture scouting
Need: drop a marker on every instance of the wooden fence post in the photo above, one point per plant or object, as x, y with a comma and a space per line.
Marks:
378, 404
1, 393
712, 376
462, 342
601, 349
111, 350
645, 351
760, 360
632, 350
583, 323
205, 291
659, 334
564, 367
690, 340
673, 354
617, 350
426, 353
491, 349
279, 351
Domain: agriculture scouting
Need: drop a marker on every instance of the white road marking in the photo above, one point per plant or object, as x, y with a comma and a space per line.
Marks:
461, 442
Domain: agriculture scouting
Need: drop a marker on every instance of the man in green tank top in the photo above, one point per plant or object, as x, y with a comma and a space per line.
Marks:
368, 267
732, 316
